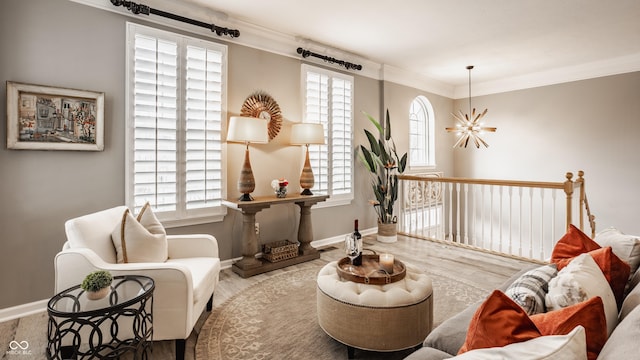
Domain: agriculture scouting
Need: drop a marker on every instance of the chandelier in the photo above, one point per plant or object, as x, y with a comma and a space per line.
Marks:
469, 125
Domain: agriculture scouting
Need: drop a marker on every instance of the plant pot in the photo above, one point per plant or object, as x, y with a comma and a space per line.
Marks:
387, 233
97, 295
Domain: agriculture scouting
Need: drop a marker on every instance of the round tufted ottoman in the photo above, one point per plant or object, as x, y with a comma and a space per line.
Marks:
387, 317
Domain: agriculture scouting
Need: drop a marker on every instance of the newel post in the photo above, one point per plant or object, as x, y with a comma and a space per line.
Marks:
568, 190
580, 181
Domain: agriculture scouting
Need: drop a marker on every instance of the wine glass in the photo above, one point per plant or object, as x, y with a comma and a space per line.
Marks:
353, 248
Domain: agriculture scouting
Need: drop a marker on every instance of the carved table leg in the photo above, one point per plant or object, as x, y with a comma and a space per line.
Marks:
305, 230
249, 242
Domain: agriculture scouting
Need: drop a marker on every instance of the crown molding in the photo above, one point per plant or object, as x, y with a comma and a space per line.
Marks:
268, 40
614, 66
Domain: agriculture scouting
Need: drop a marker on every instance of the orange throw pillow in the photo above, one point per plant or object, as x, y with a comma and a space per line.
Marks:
614, 269
572, 244
499, 321
589, 314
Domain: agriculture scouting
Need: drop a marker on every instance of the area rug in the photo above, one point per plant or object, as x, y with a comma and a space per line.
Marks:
276, 319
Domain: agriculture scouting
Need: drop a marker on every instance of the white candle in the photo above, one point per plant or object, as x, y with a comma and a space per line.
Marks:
386, 262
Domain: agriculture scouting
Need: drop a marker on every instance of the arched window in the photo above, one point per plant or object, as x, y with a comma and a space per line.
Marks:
421, 133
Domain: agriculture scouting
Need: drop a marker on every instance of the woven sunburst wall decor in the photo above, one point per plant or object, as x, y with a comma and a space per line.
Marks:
262, 105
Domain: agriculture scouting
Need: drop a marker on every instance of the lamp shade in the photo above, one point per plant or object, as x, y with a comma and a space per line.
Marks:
307, 133
247, 130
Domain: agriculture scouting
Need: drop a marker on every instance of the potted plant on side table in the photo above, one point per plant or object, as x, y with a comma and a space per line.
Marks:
384, 165
97, 284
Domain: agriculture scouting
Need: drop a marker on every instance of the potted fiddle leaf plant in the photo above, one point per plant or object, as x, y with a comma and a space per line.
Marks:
97, 284
384, 164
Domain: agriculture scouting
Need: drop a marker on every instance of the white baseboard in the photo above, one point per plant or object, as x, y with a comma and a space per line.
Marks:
23, 310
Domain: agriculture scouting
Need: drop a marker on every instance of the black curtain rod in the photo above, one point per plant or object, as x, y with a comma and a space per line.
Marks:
146, 10
347, 65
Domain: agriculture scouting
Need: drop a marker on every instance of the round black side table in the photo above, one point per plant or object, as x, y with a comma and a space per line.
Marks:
121, 322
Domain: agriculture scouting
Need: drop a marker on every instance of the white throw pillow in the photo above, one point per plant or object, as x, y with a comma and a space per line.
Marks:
626, 247
581, 280
572, 346
136, 243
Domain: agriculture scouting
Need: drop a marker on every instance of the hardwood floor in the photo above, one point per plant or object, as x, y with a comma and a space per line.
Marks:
485, 270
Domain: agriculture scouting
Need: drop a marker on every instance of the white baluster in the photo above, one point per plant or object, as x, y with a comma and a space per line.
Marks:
458, 212
466, 213
531, 222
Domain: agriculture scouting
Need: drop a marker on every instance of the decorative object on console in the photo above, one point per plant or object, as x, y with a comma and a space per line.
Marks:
280, 187
97, 284
307, 134
262, 105
469, 126
247, 130
384, 164
50, 118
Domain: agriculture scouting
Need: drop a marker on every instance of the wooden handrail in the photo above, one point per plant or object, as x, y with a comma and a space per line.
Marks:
516, 183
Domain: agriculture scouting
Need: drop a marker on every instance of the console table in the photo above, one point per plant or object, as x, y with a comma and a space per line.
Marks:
249, 265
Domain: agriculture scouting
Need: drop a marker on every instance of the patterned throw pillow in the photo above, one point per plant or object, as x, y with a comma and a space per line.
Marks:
529, 290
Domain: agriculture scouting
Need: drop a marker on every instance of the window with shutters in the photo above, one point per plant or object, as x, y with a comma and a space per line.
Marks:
421, 134
328, 100
176, 98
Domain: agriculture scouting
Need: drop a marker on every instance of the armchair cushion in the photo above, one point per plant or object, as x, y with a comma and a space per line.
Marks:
140, 240
204, 271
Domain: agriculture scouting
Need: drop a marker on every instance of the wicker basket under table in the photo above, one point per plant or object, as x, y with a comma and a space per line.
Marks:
280, 250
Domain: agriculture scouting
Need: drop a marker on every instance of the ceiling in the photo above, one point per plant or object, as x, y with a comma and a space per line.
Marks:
519, 40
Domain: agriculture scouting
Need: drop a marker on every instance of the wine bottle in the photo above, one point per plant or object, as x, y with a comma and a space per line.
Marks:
356, 235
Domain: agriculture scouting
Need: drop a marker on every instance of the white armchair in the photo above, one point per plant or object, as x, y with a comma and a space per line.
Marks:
184, 284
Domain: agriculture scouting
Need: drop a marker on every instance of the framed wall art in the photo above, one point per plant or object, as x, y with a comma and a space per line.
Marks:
50, 118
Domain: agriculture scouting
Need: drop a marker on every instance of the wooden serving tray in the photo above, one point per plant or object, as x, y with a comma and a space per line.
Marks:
370, 271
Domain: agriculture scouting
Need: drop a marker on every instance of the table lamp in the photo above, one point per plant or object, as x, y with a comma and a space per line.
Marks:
306, 134
247, 130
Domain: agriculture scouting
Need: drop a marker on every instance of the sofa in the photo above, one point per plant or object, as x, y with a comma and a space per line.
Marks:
618, 334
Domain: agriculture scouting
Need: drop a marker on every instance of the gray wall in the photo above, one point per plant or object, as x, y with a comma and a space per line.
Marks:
65, 44
591, 125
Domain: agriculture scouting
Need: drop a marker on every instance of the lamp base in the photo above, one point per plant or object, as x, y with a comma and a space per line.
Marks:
245, 197
306, 192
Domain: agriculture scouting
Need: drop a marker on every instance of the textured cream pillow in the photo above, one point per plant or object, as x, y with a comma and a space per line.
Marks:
581, 280
626, 247
140, 240
572, 346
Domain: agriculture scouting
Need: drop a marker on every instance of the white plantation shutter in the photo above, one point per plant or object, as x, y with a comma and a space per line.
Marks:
155, 121
204, 128
328, 101
175, 114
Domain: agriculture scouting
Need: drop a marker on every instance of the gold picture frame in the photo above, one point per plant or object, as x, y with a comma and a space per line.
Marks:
51, 118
